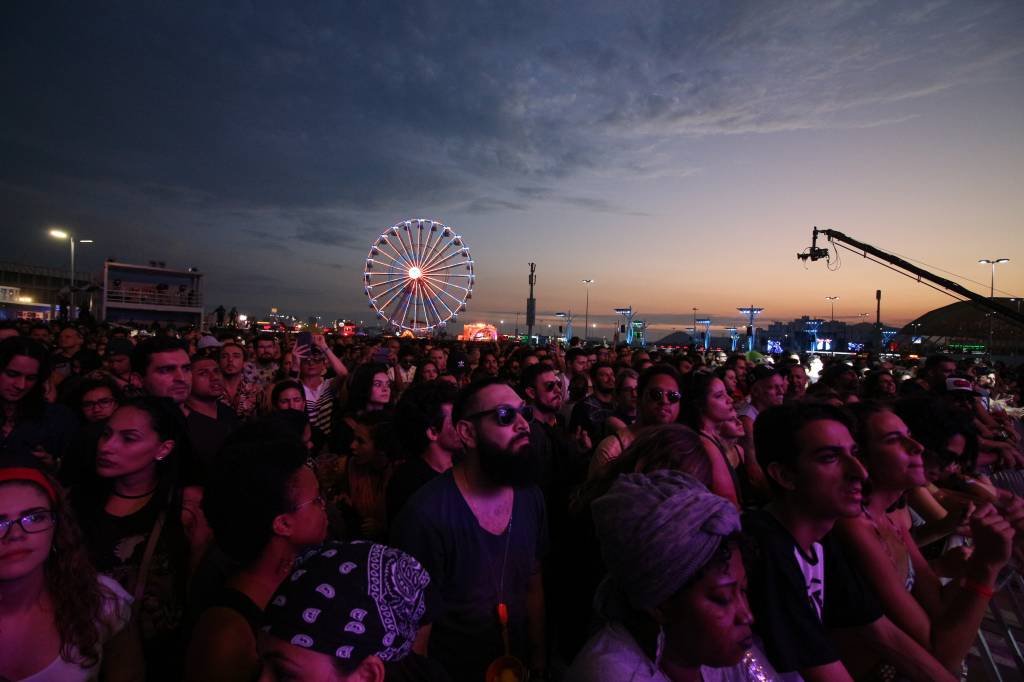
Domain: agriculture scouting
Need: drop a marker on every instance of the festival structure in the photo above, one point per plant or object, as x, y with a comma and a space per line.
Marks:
418, 276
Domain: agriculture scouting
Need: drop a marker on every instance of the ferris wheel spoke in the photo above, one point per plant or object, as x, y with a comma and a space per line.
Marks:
395, 262
393, 297
387, 281
397, 257
390, 289
419, 239
450, 284
423, 306
403, 253
436, 296
430, 300
386, 265
408, 248
458, 301
433, 250
430, 263
434, 270
405, 310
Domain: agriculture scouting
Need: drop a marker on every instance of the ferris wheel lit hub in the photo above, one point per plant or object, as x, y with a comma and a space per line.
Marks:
415, 273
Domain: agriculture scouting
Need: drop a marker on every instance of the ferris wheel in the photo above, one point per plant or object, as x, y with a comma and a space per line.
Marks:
418, 276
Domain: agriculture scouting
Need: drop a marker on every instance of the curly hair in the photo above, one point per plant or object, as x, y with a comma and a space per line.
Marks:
70, 578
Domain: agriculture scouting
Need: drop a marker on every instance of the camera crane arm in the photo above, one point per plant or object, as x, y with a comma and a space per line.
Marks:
815, 253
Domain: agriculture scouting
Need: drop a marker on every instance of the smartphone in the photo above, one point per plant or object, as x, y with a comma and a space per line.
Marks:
305, 339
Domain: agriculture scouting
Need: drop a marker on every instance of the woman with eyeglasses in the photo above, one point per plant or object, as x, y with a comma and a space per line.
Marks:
138, 525
657, 403
59, 620
262, 542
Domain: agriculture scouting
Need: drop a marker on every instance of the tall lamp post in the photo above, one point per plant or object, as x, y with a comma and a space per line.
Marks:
586, 310
832, 300
64, 234
993, 262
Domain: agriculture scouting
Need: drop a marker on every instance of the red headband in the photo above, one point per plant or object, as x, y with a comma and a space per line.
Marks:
28, 474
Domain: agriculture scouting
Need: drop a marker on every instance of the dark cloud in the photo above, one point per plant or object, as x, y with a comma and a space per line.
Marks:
252, 129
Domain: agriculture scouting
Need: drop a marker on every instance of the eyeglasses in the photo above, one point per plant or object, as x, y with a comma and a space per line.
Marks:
102, 402
549, 386
505, 415
657, 394
33, 522
318, 501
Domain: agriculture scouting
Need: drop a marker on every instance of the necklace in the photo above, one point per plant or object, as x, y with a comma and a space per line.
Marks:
133, 497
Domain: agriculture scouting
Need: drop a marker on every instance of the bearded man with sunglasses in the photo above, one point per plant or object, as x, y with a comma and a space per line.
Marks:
480, 530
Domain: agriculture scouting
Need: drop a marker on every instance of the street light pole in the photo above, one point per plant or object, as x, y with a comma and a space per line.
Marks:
993, 262
586, 310
832, 300
64, 234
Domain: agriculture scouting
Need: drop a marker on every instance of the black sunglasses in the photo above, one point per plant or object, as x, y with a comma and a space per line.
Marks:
505, 415
658, 393
549, 386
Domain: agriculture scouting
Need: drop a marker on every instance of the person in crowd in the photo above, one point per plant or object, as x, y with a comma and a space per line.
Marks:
767, 388
728, 377
944, 621
288, 395
803, 589
69, 342
576, 364
362, 477
165, 368
879, 385
95, 400
403, 373
559, 458
626, 401
706, 407
369, 390
60, 620
439, 357
658, 404
489, 363
321, 393
245, 398
8, 329
349, 613
423, 422
426, 371
265, 368
137, 526
796, 381
117, 361
675, 599
31, 425
40, 333
263, 540
482, 514
209, 421
592, 412
737, 362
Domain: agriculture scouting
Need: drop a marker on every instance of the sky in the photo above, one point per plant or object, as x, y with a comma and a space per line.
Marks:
677, 153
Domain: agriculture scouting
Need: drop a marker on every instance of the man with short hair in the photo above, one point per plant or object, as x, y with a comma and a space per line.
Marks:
244, 397
423, 418
802, 587
439, 357
165, 368
209, 421
591, 413
938, 368
263, 369
40, 332
69, 342
480, 530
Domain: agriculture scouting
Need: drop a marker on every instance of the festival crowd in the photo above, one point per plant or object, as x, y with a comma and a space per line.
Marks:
243, 506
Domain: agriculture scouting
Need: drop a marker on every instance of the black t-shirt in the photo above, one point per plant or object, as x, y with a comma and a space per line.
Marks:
207, 436
466, 564
786, 595
410, 476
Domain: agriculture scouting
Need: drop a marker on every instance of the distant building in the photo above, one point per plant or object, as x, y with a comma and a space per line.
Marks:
144, 294
31, 292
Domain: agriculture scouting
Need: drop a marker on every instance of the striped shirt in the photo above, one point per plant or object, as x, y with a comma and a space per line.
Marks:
320, 404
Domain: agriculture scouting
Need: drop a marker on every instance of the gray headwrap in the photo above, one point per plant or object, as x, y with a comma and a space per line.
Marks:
658, 530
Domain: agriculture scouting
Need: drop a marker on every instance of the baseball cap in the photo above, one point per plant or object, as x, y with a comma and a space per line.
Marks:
208, 342
960, 385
